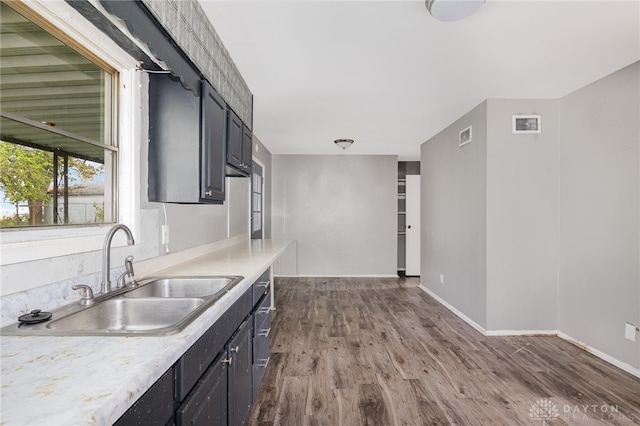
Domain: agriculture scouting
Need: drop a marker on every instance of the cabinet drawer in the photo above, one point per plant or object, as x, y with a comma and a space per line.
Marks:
262, 331
261, 349
198, 358
261, 286
262, 314
258, 375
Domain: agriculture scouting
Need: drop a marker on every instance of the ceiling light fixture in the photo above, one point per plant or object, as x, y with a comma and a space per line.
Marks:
452, 10
343, 143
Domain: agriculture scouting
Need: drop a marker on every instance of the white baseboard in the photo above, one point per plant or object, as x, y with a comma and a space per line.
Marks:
521, 332
603, 356
340, 276
453, 309
606, 357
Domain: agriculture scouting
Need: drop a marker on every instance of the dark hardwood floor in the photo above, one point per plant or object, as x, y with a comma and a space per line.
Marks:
382, 352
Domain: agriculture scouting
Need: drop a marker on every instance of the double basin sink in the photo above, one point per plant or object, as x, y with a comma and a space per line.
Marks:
157, 306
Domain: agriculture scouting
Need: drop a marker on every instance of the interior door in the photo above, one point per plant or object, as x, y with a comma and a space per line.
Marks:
413, 225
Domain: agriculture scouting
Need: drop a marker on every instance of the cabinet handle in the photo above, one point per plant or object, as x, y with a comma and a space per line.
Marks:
265, 333
264, 284
262, 311
266, 362
208, 193
227, 361
236, 349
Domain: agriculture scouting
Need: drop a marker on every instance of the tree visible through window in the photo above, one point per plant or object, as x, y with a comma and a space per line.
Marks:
57, 151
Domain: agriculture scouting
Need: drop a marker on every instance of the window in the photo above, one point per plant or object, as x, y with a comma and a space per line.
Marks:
58, 154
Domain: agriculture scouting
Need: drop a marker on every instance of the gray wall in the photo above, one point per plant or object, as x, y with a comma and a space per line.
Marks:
262, 154
599, 213
558, 214
341, 209
522, 217
453, 215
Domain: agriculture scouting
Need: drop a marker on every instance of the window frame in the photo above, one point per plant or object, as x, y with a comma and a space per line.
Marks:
30, 244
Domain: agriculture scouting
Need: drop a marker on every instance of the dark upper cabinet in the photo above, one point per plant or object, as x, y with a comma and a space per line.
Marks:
239, 139
213, 145
186, 142
234, 140
247, 139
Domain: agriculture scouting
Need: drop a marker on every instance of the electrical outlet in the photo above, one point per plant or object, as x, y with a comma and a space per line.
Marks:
165, 234
630, 331
441, 278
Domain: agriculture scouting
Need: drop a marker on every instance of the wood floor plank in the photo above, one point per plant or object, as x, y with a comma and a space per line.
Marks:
378, 351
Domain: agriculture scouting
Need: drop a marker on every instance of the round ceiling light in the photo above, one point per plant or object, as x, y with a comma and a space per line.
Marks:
343, 143
453, 10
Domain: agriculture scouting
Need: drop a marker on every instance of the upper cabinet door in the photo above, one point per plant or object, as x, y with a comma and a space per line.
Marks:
212, 158
234, 140
247, 160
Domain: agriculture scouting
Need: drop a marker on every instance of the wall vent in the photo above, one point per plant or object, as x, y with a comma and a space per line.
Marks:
465, 136
526, 124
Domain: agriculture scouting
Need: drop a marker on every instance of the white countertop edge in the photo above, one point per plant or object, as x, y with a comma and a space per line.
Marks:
93, 380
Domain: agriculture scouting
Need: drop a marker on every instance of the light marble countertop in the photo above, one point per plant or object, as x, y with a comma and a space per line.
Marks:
63, 381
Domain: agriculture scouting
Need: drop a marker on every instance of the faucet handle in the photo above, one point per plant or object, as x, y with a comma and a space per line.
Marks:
128, 272
128, 265
87, 294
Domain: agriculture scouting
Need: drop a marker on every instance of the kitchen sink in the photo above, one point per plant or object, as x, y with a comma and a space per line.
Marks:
181, 287
156, 306
121, 314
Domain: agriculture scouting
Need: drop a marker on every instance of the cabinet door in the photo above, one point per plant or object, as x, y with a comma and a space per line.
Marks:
240, 375
247, 160
207, 404
155, 407
234, 140
212, 156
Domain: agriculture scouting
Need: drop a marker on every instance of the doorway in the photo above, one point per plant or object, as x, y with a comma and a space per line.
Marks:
257, 200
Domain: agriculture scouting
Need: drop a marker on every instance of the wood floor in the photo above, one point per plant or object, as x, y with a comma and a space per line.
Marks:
382, 352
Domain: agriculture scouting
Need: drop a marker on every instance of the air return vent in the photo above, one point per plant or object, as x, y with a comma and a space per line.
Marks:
526, 124
465, 136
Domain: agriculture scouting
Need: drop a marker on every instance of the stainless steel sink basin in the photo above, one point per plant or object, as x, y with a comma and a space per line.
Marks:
157, 306
122, 314
181, 287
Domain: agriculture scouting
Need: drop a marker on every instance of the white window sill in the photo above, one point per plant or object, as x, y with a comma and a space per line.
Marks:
24, 246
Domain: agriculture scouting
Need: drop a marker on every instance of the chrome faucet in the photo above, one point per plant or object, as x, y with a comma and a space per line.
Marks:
105, 286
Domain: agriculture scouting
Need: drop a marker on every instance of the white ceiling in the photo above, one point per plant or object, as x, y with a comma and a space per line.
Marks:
388, 75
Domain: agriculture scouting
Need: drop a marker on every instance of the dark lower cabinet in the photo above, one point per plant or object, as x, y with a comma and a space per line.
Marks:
207, 404
240, 375
155, 407
216, 380
261, 347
